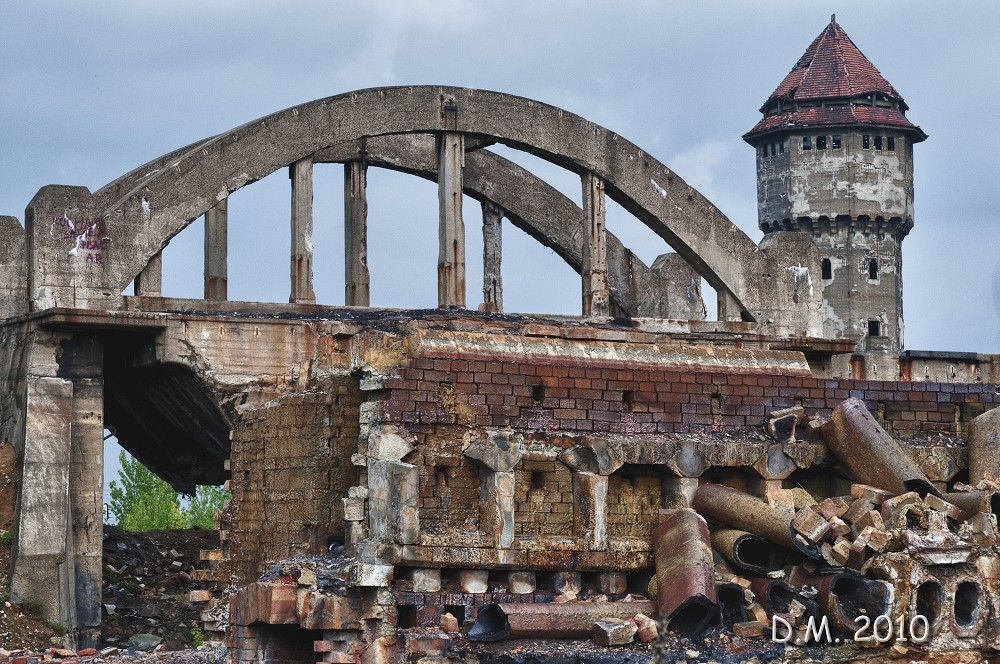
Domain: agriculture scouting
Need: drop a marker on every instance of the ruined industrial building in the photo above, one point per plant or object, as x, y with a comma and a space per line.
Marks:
410, 485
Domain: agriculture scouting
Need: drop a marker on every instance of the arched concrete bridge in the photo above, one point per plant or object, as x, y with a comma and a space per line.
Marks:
139, 213
170, 376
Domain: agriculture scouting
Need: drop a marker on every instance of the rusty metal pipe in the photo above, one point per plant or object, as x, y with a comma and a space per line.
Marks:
973, 502
776, 596
747, 551
845, 596
573, 620
685, 574
745, 512
870, 454
731, 604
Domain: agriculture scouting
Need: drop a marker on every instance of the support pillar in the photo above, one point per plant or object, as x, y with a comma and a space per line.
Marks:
302, 232
729, 308
86, 481
451, 228
149, 282
590, 502
217, 251
357, 281
594, 271
496, 507
492, 257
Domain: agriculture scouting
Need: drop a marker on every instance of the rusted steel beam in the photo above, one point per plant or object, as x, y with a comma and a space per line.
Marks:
845, 596
572, 620
870, 454
685, 575
747, 551
744, 512
973, 502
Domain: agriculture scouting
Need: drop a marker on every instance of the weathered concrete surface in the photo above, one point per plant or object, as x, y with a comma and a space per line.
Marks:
165, 201
13, 268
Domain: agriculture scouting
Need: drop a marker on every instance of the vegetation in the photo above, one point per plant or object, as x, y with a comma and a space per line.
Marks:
142, 501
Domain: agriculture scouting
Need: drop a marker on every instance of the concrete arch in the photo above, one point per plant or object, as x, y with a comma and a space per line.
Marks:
162, 203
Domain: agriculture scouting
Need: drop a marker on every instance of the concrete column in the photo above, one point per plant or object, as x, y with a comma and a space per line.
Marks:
496, 507
451, 228
302, 232
590, 518
357, 281
594, 271
729, 309
492, 255
86, 482
217, 251
149, 282
43, 511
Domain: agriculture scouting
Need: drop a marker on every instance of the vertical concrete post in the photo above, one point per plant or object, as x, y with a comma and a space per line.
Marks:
590, 502
496, 507
357, 281
451, 228
594, 271
492, 256
302, 232
217, 251
149, 282
86, 481
41, 549
728, 307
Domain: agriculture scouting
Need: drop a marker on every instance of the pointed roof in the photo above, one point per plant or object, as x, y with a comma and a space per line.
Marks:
833, 83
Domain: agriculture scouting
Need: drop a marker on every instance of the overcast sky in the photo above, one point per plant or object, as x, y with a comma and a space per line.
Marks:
93, 89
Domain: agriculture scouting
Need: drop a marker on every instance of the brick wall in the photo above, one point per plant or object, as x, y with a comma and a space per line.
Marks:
543, 498
623, 400
290, 466
634, 501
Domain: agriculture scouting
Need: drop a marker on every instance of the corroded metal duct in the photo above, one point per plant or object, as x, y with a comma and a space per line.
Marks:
572, 620
731, 599
747, 551
973, 502
776, 597
685, 575
845, 596
745, 512
870, 454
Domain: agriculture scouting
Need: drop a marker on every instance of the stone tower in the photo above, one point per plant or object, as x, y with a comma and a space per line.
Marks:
835, 159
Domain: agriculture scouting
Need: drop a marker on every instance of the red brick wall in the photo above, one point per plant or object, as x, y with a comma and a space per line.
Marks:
619, 399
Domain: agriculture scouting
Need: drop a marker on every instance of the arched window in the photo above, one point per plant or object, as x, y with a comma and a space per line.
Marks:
873, 269
826, 267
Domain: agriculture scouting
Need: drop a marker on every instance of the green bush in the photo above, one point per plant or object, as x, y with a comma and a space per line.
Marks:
6, 537
142, 501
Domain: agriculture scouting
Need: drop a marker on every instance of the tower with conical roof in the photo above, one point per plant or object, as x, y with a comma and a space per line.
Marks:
835, 159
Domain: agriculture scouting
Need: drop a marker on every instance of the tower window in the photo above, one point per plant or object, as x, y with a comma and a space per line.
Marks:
891, 143
866, 142
873, 269
807, 143
878, 142
781, 147
874, 328
836, 141
821, 142
826, 268
774, 150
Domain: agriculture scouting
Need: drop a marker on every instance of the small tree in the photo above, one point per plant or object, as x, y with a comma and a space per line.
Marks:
143, 501
206, 500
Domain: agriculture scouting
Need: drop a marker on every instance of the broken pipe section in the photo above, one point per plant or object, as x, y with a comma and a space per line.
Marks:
741, 511
573, 620
871, 456
685, 574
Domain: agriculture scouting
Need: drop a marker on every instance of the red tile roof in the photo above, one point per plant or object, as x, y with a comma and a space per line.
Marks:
833, 69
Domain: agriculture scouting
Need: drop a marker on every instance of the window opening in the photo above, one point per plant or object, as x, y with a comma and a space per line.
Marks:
866, 142
781, 147
878, 142
873, 269
827, 268
891, 143
836, 141
807, 143
821, 142
874, 328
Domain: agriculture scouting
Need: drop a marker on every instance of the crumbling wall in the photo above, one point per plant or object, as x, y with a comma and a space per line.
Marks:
291, 465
